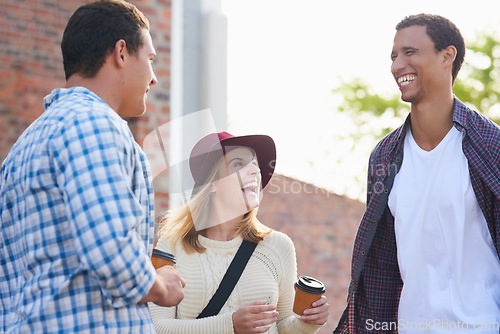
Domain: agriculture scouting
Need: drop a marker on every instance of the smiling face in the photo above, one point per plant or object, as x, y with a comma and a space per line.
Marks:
417, 66
239, 180
233, 189
138, 79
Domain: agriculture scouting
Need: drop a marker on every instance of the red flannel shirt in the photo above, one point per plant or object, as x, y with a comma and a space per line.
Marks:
376, 282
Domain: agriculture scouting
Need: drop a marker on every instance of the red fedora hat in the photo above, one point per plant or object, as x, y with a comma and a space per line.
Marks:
211, 148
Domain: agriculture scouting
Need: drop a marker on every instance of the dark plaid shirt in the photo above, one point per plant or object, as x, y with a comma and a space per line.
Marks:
376, 283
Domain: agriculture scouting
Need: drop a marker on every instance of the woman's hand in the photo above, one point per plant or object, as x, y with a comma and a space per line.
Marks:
318, 315
255, 317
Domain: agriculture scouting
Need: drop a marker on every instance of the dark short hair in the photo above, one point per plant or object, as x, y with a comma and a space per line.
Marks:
442, 32
93, 30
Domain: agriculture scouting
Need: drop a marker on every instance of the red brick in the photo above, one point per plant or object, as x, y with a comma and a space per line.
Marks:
322, 226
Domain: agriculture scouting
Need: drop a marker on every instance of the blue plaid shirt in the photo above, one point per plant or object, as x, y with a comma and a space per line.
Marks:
76, 228
376, 282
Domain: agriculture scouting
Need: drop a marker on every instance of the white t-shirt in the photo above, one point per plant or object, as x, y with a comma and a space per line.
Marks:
448, 263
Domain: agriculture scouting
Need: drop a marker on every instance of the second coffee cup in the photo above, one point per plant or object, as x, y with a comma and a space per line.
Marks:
160, 259
307, 291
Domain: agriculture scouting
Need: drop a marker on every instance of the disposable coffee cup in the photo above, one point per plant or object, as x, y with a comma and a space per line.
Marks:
307, 291
160, 259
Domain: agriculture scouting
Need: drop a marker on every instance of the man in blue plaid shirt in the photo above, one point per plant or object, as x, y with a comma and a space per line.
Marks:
76, 228
426, 256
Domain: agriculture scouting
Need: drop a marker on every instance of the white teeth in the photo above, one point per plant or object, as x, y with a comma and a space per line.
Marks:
406, 79
250, 185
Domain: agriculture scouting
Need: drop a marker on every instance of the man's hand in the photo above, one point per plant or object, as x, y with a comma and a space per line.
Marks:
167, 289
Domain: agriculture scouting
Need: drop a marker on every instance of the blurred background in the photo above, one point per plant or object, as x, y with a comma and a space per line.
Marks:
314, 75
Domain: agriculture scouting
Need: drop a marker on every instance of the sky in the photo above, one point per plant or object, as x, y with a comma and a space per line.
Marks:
285, 57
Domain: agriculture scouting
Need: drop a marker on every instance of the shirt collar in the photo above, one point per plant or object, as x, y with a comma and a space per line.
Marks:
459, 114
459, 119
59, 94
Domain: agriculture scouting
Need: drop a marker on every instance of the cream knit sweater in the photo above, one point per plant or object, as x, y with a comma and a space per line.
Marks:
270, 275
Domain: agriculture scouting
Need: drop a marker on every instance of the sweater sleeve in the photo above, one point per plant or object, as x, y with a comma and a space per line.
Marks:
165, 322
288, 323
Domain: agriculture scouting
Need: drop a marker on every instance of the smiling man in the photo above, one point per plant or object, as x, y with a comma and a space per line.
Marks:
76, 200
426, 257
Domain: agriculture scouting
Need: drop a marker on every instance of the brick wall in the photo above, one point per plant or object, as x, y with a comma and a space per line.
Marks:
30, 62
322, 226
31, 65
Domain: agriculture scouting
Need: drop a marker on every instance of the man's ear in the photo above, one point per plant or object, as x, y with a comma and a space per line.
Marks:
449, 54
120, 53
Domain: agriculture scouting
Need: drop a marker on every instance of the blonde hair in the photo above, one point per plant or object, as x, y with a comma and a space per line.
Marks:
178, 225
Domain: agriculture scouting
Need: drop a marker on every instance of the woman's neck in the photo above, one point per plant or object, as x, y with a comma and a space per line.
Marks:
222, 231
223, 222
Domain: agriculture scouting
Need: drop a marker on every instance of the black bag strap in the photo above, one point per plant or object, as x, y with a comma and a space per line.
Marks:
229, 280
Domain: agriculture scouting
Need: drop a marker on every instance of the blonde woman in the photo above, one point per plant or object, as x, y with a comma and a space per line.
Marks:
205, 234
